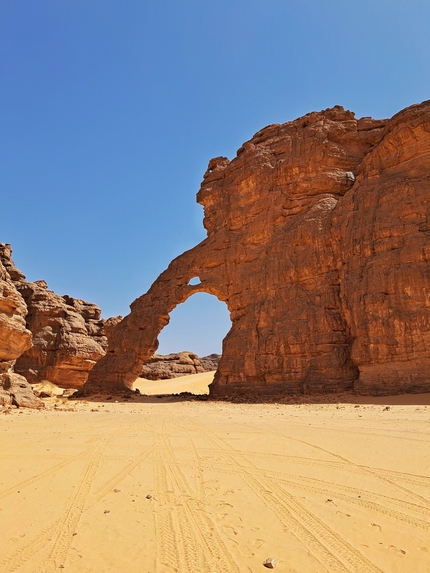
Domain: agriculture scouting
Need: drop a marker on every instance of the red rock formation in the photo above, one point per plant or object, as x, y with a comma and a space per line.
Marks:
15, 339
382, 231
68, 335
318, 243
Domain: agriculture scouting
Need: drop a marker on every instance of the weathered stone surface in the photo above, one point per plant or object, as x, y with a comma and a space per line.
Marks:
68, 333
318, 242
15, 339
381, 238
16, 391
165, 366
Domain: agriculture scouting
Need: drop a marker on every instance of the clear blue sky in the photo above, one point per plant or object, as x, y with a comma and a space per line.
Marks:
111, 109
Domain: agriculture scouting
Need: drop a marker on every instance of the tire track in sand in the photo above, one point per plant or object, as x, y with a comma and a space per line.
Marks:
30, 481
331, 490
200, 548
55, 539
332, 550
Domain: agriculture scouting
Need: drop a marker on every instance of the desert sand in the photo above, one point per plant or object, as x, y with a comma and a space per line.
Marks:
158, 484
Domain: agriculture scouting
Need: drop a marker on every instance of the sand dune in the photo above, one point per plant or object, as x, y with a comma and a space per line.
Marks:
194, 384
157, 485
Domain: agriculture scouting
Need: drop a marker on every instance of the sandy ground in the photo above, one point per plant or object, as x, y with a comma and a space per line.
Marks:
156, 485
195, 384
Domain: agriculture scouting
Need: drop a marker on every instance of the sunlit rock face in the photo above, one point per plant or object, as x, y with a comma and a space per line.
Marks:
318, 242
15, 339
67, 333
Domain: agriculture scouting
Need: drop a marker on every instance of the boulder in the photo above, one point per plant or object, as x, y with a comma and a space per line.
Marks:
16, 391
46, 389
15, 338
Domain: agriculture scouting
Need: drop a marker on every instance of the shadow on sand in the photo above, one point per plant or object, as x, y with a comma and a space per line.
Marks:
343, 398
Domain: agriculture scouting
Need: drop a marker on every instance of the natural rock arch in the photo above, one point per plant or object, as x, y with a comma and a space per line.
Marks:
199, 325
134, 339
319, 244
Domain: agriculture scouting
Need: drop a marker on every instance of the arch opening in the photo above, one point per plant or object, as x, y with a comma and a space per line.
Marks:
196, 330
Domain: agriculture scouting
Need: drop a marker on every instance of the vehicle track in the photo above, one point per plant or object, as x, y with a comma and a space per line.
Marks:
54, 541
204, 548
330, 548
167, 545
329, 491
361, 433
118, 477
346, 465
30, 481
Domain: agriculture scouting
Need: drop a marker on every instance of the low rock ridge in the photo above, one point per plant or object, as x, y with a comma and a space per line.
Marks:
318, 241
165, 366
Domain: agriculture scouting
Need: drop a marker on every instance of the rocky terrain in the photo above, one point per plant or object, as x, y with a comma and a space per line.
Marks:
67, 334
50, 342
210, 362
319, 244
163, 367
15, 339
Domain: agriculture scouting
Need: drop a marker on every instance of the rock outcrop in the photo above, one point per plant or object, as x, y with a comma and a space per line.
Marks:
165, 366
319, 244
210, 362
68, 333
15, 339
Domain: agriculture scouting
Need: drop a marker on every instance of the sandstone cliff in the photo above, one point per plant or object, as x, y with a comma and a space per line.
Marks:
68, 333
15, 339
318, 242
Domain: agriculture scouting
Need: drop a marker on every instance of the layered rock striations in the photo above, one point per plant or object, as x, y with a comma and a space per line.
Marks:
318, 242
15, 339
381, 234
68, 333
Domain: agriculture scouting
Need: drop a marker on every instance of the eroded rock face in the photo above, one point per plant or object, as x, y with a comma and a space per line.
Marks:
15, 339
68, 333
381, 236
318, 242
16, 391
